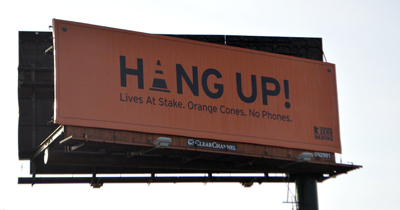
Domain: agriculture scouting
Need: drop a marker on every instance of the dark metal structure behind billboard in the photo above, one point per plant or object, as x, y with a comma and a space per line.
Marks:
57, 149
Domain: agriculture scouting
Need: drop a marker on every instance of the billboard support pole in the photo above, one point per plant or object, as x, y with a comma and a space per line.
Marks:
306, 189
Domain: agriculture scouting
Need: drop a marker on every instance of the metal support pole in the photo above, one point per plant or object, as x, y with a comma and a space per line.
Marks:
307, 195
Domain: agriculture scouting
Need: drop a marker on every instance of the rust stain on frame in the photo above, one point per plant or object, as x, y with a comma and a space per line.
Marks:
118, 79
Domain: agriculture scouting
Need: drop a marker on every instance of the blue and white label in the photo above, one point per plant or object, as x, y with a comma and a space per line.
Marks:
211, 144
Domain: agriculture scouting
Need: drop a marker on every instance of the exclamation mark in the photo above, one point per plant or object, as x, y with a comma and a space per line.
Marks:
286, 87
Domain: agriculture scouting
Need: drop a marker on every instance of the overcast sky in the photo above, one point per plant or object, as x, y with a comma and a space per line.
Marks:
360, 37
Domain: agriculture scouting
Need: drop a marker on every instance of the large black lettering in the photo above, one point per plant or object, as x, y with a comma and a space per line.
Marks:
268, 92
138, 72
181, 73
218, 87
239, 88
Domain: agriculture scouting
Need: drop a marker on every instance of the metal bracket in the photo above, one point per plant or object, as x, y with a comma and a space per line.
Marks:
50, 139
96, 183
238, 165
187, 159
151, 178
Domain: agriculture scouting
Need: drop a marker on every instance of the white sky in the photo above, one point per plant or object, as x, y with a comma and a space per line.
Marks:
360, 37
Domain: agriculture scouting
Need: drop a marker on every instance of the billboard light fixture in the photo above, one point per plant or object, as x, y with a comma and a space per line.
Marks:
162, 142
302, 158
305, 157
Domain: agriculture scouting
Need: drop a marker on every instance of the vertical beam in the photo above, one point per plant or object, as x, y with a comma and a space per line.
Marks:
33, 103
306, 189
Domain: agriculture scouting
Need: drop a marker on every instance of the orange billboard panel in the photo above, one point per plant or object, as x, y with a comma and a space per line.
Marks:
118, 79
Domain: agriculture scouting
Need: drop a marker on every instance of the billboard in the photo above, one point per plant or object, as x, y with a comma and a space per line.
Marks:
125, 80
